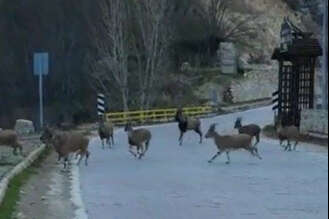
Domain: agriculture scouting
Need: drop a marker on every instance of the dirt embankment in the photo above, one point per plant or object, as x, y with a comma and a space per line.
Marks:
9, 161
47, 193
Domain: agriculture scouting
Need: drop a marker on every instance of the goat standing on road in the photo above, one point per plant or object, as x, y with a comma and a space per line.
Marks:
288, 133
185, 124
251, 129
105, 132
230, 143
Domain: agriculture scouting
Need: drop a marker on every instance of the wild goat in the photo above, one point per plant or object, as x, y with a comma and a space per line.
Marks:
251, 129
9, 138
230, 143
47, 138
288, 133
138, 138
66, 143
185, 124
105, 132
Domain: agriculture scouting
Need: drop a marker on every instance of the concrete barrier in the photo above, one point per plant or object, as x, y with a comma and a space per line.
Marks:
313, 120
18, 169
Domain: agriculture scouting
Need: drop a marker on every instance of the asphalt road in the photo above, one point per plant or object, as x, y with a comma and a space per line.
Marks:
174, 182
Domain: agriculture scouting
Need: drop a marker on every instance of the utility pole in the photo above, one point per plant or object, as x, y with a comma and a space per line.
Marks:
325, 56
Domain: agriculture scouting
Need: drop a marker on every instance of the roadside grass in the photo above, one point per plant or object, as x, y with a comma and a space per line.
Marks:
9, 204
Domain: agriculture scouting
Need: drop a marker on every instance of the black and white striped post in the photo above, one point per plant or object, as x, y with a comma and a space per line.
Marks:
100, 104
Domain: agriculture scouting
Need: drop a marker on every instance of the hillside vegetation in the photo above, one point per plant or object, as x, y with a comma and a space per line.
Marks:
81, 37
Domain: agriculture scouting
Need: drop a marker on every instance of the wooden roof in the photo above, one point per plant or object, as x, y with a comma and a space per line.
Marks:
307, 47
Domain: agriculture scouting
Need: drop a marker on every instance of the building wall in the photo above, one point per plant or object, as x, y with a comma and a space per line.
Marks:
314, 120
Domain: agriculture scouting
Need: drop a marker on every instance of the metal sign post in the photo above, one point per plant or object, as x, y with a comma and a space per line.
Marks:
40, 67
41, 100
325, 55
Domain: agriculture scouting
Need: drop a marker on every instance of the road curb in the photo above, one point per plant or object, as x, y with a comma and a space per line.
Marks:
246, 106
80, 211
18, 169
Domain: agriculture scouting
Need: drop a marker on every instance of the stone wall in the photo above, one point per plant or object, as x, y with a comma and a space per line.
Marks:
209, 91
314, 121
258, 84
24, 127
227, 57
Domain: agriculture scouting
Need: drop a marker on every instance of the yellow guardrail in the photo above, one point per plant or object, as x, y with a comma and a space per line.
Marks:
156, 115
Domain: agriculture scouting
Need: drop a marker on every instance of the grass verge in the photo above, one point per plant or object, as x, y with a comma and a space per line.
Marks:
12, 196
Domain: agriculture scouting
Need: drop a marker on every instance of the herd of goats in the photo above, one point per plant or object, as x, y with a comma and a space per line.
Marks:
69, 142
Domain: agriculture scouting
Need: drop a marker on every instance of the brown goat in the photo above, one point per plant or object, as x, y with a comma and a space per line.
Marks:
138, 138
9, 138
66, 143
185, 124
287, 133
105, 132
251, 129
230, 143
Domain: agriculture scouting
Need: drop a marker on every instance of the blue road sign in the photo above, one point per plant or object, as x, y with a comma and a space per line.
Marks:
40, 63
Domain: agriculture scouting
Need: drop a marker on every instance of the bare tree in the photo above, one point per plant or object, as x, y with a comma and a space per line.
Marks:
151, 44
224, 24
111, 38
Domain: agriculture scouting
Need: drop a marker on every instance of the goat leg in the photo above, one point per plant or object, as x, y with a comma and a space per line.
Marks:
131, 151
295, 147
140, 151
65, 162
59, 158
81, 155
181, 138
228, 157
200, 133
257, 140
288, 147
108, 142
103, 144
20, 148
77, 154
214, 157
281, 143
146, 146
87, 156
256, 153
